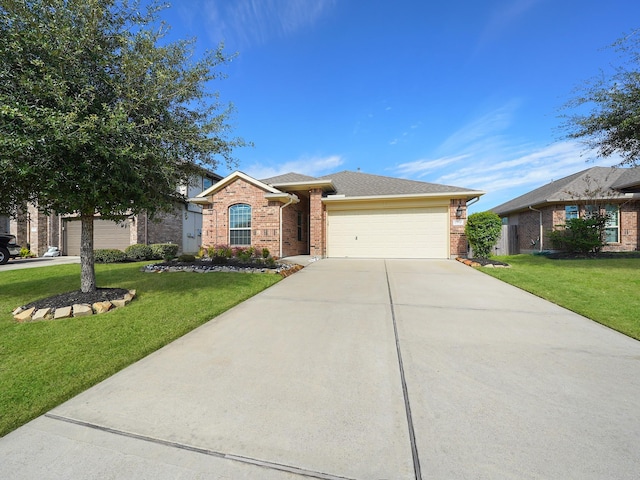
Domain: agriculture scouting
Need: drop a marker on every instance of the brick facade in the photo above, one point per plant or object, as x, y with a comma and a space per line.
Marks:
265, 219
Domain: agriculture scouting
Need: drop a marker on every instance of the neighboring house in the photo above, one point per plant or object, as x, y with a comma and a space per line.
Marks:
345, 214
183, 227
615, 191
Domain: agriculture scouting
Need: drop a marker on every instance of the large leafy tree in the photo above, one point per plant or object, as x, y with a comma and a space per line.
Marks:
100, 114
608, 106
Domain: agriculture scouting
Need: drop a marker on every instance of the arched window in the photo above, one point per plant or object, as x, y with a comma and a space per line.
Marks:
240, 224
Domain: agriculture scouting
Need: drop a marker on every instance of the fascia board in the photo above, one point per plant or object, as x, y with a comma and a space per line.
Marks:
342, 198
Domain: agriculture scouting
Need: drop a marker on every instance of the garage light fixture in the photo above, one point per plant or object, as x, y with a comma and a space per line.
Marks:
459, 211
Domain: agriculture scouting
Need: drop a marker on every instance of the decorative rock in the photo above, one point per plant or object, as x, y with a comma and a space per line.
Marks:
82, 310
25, 315
63, 312
42, 314
119, 303
132, 293
17, 311
489, 265
102, 307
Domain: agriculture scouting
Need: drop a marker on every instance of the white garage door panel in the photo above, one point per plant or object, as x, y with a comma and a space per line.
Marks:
106, 234
389, 233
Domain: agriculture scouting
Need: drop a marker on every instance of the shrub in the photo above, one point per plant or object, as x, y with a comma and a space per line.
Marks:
580, 235
109, 255
220, 251
165, 251
187, 257
483, 230
265, 253
26, 253
138, 252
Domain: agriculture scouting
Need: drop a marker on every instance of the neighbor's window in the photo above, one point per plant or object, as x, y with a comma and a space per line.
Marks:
570, 211
240, 224
206, 183
591, 211
612, 227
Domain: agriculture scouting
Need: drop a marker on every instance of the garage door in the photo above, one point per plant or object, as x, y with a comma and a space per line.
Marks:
106, 234
388, 233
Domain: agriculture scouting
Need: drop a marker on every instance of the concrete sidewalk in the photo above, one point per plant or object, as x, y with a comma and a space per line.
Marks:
359, 369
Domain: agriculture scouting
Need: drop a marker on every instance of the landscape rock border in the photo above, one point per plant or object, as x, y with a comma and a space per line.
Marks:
32, 314
486, 263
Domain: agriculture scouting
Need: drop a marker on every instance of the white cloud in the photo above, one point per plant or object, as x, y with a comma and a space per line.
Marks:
312, 166
504, 17
420, 168
482, 156
244, 23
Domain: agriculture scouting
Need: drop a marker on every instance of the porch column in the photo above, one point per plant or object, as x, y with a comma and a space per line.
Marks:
317, 240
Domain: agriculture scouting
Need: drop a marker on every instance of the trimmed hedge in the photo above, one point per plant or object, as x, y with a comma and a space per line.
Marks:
138, 252
165, 251
109, 255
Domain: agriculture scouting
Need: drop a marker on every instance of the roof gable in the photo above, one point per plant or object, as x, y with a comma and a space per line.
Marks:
237, 175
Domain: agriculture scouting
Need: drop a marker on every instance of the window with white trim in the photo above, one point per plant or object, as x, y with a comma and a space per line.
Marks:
570, 211
612, 225
240, 224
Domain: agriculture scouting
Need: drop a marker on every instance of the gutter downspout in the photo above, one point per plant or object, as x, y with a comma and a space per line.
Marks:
292, 199
473, 200
541, 238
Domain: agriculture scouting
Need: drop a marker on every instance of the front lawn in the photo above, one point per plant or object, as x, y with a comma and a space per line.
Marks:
606, 290
43, 364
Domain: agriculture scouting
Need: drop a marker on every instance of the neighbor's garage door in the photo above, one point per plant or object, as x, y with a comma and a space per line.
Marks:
106, 234
388, 233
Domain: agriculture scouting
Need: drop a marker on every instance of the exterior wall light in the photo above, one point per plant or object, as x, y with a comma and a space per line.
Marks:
459, 211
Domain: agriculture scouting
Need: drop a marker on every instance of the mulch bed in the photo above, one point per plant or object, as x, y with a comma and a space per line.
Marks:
488, 261
77, 297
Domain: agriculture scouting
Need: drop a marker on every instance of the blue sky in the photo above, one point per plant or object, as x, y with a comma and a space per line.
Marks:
464, 93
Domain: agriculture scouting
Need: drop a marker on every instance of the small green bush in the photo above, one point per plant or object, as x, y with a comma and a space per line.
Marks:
265, 253
164, 251
483, 231
139, 252
187, 257
26, 253
220, 251
580, 235
109, 255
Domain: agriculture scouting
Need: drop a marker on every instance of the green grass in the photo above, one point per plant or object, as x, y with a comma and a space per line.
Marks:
43, 364
606, 290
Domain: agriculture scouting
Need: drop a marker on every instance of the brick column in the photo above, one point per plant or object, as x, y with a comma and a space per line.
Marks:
457, 237
317, 241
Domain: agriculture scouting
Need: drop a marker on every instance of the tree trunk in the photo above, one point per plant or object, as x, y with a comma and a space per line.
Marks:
87, 271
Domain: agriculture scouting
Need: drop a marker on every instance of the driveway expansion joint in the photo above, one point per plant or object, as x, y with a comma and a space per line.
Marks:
203, 451
405, 391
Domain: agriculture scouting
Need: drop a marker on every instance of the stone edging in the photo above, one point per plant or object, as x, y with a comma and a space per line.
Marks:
471, 263
77, 310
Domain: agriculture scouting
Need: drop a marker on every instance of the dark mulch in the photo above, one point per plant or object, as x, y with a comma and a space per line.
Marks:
582, 256
488, 261
229, 262
71, 298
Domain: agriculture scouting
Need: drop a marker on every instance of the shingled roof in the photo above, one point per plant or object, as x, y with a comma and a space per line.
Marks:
596, 183
359, 184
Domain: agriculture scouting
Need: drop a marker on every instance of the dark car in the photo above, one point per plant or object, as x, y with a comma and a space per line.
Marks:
8, 248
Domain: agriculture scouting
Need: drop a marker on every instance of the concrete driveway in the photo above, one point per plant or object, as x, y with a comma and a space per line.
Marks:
359, 369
